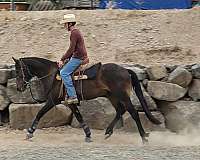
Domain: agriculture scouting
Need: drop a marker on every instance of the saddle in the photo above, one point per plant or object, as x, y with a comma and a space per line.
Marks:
84, 72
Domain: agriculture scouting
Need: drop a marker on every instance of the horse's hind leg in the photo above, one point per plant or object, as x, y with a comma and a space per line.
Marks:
134, 114
120, 110
79, 117
1, 124
39, 115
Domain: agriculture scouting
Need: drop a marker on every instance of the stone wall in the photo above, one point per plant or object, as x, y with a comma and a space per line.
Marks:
172, 94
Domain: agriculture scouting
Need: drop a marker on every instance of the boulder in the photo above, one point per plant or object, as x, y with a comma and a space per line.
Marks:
25, 97
170, 68
181, 115
165, 91
150, 102
97, 113
194, 89
4, 66
4, 100
22, 115
180, 76
196, 71
12, 71
4, 75
141, 73
156, 72
130, 125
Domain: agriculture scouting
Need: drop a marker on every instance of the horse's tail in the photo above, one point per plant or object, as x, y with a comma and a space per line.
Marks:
139, 94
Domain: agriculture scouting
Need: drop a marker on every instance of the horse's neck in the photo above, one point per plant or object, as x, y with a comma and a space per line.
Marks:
38, 68
45, 72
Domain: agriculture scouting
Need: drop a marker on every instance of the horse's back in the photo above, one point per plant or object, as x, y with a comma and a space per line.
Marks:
114, 71
110, 70
116, 78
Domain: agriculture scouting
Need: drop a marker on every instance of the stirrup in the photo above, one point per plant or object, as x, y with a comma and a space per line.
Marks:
72, 101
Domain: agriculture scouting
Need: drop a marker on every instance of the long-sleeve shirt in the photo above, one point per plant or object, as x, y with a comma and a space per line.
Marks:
77, 46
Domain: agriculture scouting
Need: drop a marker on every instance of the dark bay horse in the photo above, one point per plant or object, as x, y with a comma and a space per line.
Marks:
112, 81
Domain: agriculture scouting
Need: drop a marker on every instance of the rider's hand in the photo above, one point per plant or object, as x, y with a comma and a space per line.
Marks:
85, 61
60, 64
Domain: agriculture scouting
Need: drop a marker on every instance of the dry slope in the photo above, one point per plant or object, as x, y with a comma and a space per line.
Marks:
144, 37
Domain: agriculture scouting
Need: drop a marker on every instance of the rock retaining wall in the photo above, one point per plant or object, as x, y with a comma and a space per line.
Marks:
172, 94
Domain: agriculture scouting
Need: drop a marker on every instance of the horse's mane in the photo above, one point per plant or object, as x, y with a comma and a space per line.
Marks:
40, 60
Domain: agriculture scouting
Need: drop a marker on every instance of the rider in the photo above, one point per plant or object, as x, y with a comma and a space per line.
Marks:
75, 56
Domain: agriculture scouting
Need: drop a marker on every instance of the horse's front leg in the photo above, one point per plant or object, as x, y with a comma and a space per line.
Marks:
49, 104
79, 117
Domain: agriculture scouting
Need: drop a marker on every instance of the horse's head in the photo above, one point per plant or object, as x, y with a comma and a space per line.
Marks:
23, 74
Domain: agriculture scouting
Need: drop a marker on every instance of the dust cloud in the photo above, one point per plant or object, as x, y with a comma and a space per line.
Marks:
184, 138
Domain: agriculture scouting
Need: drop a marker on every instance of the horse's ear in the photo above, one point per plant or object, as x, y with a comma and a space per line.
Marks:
15, 60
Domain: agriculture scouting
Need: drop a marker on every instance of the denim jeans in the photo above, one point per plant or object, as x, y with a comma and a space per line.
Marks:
66, 73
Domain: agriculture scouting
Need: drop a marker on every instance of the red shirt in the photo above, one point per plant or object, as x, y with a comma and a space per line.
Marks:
77, 46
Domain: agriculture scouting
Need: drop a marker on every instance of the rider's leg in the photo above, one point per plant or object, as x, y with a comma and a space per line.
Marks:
65, 73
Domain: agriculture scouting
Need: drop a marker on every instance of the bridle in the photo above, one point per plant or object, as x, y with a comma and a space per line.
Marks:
24, 68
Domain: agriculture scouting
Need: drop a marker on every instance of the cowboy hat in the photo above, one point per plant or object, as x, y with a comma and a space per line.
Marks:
68, 18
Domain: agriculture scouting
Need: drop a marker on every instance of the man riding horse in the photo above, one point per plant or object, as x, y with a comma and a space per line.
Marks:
75, 55
104, 80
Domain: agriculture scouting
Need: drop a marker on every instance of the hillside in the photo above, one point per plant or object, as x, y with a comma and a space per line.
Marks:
143, 37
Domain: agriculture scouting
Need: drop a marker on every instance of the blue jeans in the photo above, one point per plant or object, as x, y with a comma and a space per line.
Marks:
66, 73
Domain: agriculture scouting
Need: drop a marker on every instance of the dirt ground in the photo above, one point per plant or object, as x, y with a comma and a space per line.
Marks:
68, 143
137, 37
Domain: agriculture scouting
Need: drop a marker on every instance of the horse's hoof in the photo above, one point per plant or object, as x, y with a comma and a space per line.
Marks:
88, 139
29, 136
108, 135
145, 141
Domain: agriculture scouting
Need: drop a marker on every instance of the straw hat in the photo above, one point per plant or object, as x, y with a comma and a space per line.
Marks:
68, 18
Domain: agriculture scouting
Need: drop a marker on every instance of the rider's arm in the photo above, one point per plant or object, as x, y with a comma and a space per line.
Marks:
70, 51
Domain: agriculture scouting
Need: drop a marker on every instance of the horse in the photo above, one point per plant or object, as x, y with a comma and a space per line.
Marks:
104, 80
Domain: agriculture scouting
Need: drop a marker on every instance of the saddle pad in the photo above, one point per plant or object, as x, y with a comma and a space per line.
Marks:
83, 68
